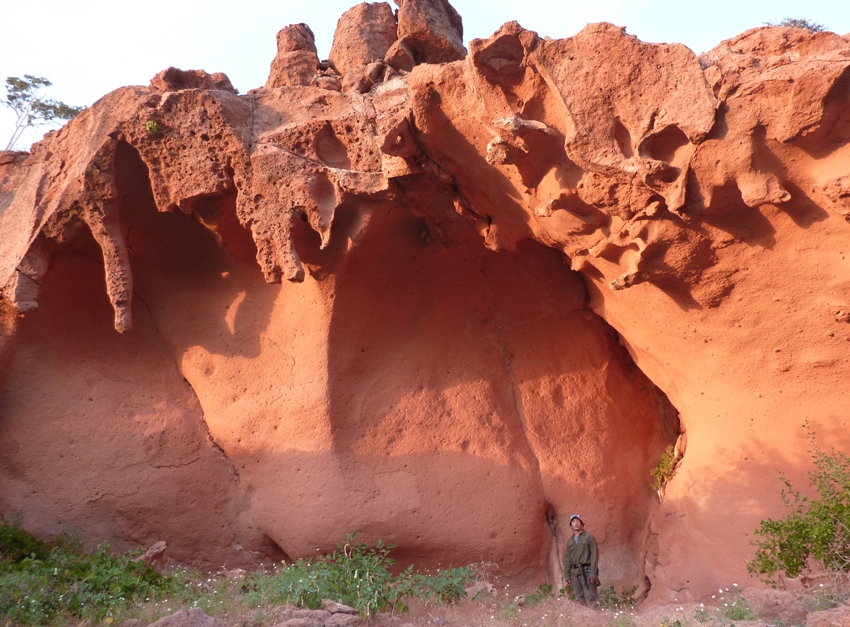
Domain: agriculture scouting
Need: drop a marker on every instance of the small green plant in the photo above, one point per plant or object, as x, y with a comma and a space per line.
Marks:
667, 622
447, 586
543, 592
511, 611
701, 615
735, 606
610, 600
621, 619
627, 597
825, 598
151, 127
664, 470
795, 22
814, 529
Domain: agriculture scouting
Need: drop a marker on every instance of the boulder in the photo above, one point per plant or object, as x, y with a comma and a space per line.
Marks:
174, 79
363, 35
296, 62
431, 30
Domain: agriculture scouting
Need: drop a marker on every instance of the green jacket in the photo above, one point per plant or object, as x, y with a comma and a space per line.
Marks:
582, 552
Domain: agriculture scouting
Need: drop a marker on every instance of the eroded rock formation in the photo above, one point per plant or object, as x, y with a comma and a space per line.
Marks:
375, 295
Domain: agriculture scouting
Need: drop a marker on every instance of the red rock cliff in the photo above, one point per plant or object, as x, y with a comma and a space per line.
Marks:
315, 341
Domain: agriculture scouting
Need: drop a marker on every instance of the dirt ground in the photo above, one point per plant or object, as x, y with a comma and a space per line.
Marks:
820, 607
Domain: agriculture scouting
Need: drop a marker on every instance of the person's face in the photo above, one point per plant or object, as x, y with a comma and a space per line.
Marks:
576, 524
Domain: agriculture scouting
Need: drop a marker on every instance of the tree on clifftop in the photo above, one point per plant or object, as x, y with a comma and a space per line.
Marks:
22, 97
796, 22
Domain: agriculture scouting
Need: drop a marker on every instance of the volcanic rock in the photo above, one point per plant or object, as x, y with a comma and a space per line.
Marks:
296, 62
431, 30
174, 79
511, 284
363, 35
154, 556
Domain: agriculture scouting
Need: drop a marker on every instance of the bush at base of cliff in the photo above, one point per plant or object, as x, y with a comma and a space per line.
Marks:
40, 581
610, 600
356, 575
815, 529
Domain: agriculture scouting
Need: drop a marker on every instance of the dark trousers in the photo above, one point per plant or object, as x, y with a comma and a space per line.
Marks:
584, 591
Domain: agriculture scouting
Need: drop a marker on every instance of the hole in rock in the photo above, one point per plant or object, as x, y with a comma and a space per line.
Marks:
132, 178
665, 145
347, 221
543, 152
453, 374
215, 212
624, 139
728, 212
330, 150
323, 194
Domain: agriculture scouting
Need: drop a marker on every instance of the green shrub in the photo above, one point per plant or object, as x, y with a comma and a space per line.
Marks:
43, 582
796, 22
16, 544
356, 575
610, 600
40, 580
815, 529
735, 606
664, 470
543, 592
447, 586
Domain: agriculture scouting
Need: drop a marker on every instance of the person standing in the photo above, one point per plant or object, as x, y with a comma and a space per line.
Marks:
581, 563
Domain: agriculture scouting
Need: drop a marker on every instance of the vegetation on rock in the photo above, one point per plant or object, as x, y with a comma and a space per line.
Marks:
22, 97
796, 22
664, 470
43, 582
815, 528
357, 575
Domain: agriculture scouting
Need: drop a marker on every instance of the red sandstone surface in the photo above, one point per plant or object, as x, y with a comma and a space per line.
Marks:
441, 298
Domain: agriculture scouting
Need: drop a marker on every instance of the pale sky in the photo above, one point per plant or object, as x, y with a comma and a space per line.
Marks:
90, 47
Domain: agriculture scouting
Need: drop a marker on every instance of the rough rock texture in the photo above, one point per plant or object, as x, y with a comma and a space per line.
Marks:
296, 62
836, 617
431, 30
363, 35
195, 617
432, 372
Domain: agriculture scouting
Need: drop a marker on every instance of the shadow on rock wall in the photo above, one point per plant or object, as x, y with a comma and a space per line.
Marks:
102, 435
437, 350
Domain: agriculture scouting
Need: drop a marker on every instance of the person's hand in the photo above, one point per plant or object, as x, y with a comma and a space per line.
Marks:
568, 582
594, 581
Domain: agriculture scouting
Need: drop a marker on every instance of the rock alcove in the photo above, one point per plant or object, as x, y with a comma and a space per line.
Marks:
438, 297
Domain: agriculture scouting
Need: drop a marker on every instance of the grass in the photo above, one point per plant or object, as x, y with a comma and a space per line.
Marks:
56, 583
40, 581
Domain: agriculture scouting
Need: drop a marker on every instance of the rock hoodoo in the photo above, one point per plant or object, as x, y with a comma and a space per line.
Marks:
435, 297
